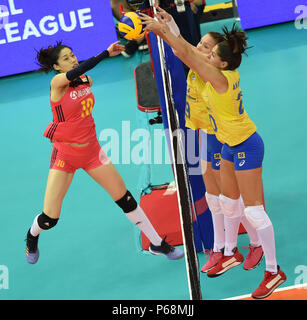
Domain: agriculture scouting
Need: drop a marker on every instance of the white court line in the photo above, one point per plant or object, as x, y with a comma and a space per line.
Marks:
297, 286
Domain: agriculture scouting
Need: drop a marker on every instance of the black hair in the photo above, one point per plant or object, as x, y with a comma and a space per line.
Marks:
231, 49
47, 57
218, 37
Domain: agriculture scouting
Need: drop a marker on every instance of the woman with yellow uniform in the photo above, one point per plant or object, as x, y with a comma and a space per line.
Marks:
197, 118
243, 149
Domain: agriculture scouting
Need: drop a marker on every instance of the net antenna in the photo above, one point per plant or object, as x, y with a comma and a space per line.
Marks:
181, 178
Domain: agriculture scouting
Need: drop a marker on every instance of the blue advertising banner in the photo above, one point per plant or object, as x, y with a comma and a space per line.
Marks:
258, 13
28, 25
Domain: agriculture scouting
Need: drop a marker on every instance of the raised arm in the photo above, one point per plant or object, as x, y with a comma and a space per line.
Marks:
186, 52
62, 79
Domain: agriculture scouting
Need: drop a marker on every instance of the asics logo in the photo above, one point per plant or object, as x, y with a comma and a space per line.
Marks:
241, 163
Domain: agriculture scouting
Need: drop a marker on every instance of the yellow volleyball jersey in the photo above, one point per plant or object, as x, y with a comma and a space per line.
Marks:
228, 118
196, 114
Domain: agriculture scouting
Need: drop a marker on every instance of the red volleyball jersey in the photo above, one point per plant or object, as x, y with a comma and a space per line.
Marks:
72, 115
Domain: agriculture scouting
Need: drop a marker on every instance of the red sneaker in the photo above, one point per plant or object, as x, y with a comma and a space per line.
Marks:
214, 258
226, 263
269, 284
253, 257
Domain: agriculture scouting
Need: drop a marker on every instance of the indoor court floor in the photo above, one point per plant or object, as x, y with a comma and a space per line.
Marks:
94, 251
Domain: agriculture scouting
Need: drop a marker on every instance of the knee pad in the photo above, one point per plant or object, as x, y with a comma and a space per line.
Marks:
213, 203
127, 203
231, 208
257, 216
45, 222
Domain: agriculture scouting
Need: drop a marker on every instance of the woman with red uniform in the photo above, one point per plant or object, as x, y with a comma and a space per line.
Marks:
76, 146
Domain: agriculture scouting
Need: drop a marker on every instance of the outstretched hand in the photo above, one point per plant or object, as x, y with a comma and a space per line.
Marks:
115, 49
158, 26
162, 15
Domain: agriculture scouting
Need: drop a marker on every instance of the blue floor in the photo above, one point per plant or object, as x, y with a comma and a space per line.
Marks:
93, 253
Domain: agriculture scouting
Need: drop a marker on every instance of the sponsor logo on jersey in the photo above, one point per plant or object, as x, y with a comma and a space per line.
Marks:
80, 93
241, 163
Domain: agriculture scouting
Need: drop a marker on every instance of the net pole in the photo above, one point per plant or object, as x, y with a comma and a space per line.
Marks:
182, 182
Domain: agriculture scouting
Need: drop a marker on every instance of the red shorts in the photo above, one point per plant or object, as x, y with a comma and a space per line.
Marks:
68, 158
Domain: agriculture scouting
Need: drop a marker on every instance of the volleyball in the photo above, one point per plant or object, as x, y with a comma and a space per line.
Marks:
129, 26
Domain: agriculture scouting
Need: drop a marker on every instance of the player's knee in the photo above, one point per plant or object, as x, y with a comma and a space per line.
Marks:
257, 216
231, 207
45, 222
127, 203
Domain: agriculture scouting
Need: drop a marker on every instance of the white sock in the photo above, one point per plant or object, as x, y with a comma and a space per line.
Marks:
232, 225
232, 218
214, 205
35, 229
267, 238
139, 218
251, 231
219, 232
261, 221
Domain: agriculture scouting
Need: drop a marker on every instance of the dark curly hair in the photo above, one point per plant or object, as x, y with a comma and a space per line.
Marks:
47, 57
231, 49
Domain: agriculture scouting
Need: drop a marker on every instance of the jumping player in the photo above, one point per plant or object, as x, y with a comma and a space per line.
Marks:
76, 146
243, 150
197, 118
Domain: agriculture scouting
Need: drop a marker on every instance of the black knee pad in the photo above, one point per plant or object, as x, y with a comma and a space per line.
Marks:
127, 203
45, 222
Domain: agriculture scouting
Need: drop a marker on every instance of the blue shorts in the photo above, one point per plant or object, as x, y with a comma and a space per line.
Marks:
246, 155
211, 151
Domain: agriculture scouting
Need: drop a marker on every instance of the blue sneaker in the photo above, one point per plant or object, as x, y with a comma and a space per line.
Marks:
169, 251
32, 252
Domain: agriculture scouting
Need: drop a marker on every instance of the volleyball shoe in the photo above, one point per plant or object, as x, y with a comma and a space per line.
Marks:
253, 258
32, 252
167, 250
226, 263
270, 282
214, 258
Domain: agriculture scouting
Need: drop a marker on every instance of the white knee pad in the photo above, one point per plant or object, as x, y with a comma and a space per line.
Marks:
214, 203
257, 216
231, 208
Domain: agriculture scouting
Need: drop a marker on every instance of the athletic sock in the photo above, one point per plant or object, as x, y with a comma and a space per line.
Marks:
267, 238
214, 205
35, 228
139, 218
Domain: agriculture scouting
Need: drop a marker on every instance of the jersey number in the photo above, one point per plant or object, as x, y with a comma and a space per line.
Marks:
87, 107
213, 123
187, 110
239, 98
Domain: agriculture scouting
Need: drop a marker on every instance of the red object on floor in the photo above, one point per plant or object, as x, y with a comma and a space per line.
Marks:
162, 211
241, 229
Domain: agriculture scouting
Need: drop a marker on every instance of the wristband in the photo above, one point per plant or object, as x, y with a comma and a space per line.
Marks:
173, 27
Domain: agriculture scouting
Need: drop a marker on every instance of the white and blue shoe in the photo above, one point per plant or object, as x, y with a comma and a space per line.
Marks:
32, 252
167, 250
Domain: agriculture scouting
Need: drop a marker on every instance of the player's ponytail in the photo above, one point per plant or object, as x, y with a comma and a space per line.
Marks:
232, 48
47, 57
